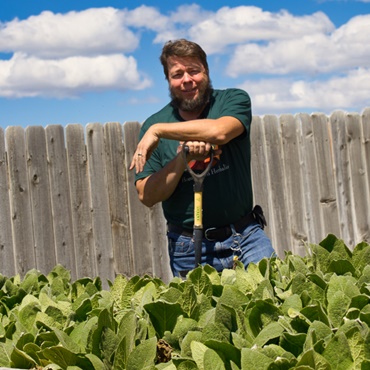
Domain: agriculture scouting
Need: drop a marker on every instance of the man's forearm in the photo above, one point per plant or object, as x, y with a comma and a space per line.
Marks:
160, 185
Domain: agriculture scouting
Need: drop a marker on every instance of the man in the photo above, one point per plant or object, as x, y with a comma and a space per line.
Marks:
201, 116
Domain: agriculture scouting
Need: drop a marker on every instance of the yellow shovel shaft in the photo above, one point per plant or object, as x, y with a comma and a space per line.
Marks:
198, 218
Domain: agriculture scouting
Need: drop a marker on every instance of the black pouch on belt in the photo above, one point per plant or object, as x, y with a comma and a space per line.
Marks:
259, 216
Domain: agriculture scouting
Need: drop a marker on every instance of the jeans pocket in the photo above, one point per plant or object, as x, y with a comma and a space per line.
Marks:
179, 245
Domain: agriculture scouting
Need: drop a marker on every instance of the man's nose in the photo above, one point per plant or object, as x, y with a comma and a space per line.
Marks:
186, 77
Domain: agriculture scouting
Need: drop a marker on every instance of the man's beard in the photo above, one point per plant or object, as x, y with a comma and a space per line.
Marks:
193, 105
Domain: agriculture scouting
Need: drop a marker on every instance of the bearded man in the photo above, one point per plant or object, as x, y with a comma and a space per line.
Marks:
202, 118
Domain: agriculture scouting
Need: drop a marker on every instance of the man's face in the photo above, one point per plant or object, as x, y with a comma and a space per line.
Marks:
188, 83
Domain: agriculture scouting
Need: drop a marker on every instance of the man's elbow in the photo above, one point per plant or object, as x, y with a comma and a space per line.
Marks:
146, 200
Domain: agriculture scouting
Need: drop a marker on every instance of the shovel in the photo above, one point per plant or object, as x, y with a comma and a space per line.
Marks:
198, 204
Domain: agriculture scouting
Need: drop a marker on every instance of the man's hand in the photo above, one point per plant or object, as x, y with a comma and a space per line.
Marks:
199, 150
144, 150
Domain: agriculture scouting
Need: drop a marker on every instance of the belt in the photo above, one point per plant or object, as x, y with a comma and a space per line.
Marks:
216, 233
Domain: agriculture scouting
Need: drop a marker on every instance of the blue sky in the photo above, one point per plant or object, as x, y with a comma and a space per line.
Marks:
64, 61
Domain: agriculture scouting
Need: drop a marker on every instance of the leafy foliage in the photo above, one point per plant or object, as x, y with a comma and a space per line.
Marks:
309, 312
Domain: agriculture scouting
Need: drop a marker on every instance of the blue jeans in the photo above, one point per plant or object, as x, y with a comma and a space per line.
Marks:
249, 245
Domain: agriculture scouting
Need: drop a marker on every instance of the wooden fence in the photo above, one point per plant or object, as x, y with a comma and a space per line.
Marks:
66, 195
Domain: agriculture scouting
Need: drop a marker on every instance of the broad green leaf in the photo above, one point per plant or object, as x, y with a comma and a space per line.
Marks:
67, 342
201, 282
320, 258
293, 343
198, 351
5, 353
82, 333
213, 361
338, 352
361, 256
262, 314
105, 321
248, 280
143, 356
231, 297
341, 267
226, 351
60, 356
189, 301
163, 315
356, 335
293, 301
190, 337
27, 314
315, 312
116, 290
20, 359
340, 291
96, 363
272, 331
182, 327
185, 365
216, 331
254, 359
313, 360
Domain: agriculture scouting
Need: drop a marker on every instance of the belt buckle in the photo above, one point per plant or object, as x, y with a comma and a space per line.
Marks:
205, 234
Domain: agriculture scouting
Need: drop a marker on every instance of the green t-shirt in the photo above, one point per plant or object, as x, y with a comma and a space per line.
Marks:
227, 189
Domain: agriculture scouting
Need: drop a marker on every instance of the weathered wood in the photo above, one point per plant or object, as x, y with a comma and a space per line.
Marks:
42, 218
139, 214
310, 179
260, 175
81, 201
328, 200
159, 245
7, 259
365, 119
360, 189
60, 198
102, 231
341, 163
20, 204
291, 141
277, 186
118, 202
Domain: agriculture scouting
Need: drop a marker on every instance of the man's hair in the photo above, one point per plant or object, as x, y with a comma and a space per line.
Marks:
182, 48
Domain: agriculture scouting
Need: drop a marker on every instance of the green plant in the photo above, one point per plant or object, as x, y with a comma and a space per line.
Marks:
304, 313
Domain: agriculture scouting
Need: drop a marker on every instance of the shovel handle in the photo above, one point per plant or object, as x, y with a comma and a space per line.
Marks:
198, 177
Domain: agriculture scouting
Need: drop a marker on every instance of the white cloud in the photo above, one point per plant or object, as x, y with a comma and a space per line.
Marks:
231, 26
31, 76
49, 35
343, 49
285, 95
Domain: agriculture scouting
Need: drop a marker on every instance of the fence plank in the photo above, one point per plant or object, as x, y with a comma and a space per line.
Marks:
42, 219
338, 122
291, 140
60, 198
20, 204
158, 238
280, 216
259, 170
117, 187
7, 267
310, 179
359, 189
328, 199
81, 201
99, 200
365, 118
139, 214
